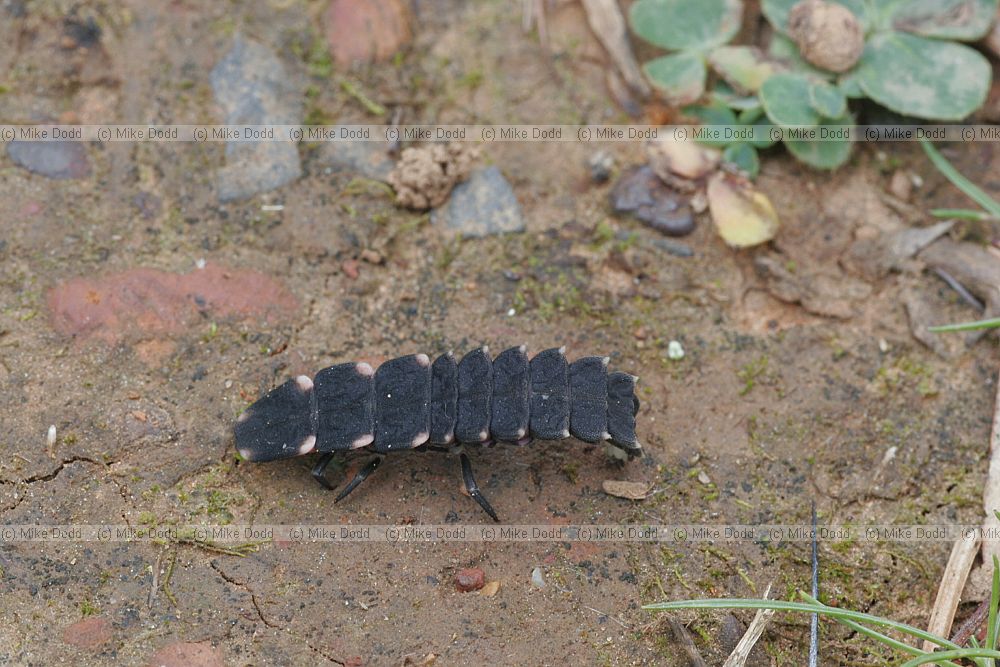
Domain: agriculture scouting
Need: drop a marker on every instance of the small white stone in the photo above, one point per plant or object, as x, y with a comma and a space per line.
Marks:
511, 313
883, 345
674, 351
229, 384
200, 263
537, 580
704, 478
305, 383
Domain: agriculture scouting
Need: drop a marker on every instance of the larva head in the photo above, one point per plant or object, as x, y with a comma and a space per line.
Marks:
279, 425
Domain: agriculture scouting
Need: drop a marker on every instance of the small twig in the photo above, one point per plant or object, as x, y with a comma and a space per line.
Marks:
963, 553
991, 490
684, 637
972, 624
740, 654
967, 296
814, 621
368, 103
606, 615
156, 581
166, 579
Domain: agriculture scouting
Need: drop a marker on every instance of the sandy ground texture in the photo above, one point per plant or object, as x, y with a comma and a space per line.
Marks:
140, 315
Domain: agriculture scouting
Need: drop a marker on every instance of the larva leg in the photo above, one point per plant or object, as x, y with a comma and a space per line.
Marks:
473, 488
362, 475
319, 471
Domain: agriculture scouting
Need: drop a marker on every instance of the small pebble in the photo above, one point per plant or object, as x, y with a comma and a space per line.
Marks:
490, 589
512, 276
350, 268
704, 478
470, 579
640, 192
601, 165
511, 313
674, 351
536, 578
900, 185
371, 256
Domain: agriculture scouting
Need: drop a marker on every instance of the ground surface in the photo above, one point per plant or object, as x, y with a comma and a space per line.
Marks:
777, 406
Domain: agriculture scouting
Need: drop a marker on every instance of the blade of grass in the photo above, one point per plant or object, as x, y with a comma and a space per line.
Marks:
961, 214
991, 323
973, 191
878, 636
991, 619
957, 654
780, 605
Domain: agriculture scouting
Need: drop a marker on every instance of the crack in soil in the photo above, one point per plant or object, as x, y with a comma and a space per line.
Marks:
263, 619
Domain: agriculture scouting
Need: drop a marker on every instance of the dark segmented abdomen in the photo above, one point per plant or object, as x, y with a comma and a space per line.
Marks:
444, 399
402, 403
588, 399
475, 394
549, 402
511, 381
282, 423
622, 408
345, 401
408, 402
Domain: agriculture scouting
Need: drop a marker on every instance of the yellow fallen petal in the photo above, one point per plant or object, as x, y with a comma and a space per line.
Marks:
743, 216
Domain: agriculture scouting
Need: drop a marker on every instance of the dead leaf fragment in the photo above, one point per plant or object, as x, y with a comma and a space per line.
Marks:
671, 159
743, 215
623, 489
490, 588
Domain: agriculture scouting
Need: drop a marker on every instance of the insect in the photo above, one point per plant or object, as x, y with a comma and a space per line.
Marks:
411, 403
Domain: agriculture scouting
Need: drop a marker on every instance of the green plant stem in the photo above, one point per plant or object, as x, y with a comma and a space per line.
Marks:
960, 213
958, 654
992, 323
779, 605
972, 190
876, 635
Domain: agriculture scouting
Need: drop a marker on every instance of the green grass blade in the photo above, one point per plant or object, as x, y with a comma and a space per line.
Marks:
973, 191
992, 323
991, 622
960, 214
780, 605
878, 636
956, 654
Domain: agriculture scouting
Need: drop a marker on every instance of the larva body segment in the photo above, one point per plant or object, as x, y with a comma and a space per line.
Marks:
475, 395
444, 399
588, 393
549, 403
408, 403
352, 424
279, 425
402, 403
511, 382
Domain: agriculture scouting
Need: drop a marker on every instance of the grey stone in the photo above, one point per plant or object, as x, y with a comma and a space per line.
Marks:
640, 192
253, 88
484, 205
365, 158
55, 159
